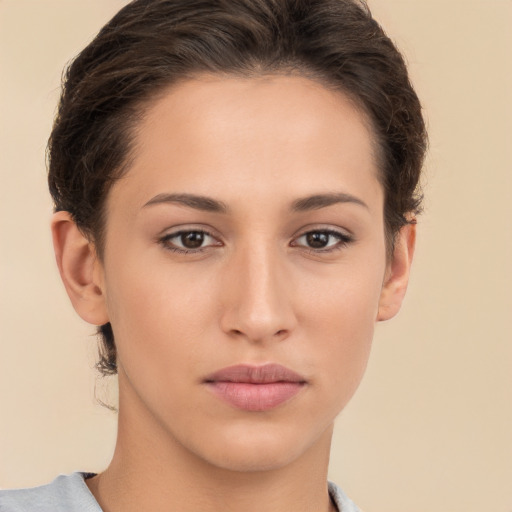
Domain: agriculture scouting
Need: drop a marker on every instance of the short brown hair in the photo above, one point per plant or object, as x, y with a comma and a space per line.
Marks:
151, 44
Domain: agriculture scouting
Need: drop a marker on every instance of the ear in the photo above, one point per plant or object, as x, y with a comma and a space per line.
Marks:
80, 269
397, 273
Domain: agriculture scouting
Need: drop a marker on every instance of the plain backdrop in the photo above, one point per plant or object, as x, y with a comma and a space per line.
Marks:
431, 425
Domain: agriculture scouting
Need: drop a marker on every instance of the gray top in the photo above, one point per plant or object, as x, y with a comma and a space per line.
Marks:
69, 493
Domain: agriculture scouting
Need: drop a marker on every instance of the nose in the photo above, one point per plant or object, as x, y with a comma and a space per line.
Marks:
257, 303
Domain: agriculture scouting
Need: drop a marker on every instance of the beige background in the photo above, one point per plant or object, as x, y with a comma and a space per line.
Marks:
431, 426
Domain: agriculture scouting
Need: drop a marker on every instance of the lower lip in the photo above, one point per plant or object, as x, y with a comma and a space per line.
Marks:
255, 397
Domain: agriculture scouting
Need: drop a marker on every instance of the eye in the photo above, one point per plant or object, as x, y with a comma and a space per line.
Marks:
186, 241
323, 240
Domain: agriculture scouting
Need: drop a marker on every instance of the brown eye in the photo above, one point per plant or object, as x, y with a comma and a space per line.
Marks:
186, 241
192, 239
317, 239
323, 240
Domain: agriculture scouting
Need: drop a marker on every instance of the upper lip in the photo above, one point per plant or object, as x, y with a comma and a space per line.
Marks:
254, 374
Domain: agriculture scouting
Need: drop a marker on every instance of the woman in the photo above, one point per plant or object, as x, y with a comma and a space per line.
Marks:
235, 186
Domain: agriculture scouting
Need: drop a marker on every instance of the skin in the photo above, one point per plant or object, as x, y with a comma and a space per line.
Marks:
255, 292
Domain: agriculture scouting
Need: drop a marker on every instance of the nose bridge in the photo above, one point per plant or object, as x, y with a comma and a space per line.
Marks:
258, 305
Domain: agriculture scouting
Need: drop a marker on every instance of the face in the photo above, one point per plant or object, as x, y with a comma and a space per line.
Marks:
243, 267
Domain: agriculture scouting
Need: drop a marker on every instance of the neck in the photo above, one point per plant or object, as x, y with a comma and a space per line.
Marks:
151, 470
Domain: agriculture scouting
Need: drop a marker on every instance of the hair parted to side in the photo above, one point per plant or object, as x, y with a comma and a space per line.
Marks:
152, 44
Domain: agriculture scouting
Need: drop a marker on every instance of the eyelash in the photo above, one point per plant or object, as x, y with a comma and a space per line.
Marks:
343, 241
164, 241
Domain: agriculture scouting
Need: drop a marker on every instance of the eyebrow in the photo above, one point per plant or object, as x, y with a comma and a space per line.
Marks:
208, 204
203, 203
317, 201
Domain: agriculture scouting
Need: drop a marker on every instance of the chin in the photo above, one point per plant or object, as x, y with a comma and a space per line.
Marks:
253, 459
261, 450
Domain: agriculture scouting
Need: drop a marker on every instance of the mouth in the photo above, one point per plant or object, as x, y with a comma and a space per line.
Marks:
255, 388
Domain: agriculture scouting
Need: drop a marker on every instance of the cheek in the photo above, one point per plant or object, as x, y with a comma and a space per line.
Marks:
348, 333
157, 313
345, 298
341, 319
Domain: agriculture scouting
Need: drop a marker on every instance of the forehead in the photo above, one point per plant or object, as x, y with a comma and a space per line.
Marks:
238, 136
210, 107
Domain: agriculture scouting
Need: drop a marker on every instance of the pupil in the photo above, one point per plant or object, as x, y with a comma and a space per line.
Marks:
192, 240
317, 240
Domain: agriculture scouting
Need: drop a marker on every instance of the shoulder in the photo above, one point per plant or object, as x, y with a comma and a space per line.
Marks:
342, 501
67, 493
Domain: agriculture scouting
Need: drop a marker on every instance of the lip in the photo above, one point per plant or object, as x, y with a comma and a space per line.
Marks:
255, 388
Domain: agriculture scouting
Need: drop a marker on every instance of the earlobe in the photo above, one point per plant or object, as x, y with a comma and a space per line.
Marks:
80, 269
397, 274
